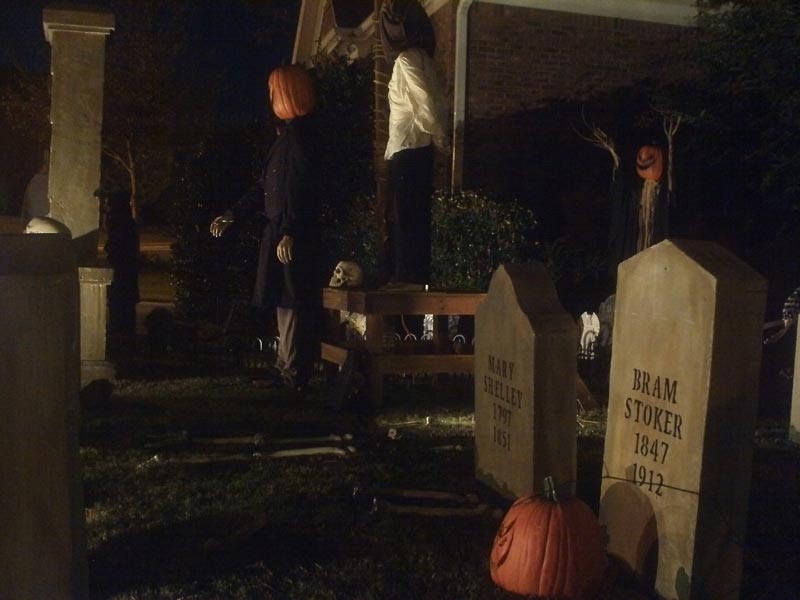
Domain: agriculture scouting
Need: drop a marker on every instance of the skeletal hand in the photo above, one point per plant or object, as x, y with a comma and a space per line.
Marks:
285, 249
220, 224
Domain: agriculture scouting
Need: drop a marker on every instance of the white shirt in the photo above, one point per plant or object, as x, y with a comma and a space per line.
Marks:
416, 104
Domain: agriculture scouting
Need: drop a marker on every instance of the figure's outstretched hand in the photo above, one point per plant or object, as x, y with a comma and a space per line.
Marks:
285, 249
220, 224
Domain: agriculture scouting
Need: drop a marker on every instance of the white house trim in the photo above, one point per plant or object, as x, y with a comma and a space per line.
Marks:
309, 28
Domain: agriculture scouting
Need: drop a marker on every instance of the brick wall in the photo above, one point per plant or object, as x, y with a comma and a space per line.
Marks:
444, 26
518, 143
519, 57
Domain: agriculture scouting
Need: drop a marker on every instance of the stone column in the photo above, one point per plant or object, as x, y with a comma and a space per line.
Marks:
77, 37
42, 530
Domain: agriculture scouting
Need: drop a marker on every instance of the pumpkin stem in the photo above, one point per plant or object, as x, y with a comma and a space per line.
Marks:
550, 489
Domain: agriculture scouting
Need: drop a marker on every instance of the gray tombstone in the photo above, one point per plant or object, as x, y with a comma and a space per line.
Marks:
42, 544
525, 370
681, 417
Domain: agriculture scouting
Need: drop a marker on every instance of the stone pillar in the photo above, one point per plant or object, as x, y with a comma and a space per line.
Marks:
42, 530
682, 406
94, 283
77, 37
525, 371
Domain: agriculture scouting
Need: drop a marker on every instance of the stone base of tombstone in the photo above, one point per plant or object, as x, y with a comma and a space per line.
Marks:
42, 544
94, 282
682, 407
525, 373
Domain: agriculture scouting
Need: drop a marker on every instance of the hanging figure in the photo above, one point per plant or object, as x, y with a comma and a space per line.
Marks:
416, 125
289, 251
641, 205
653, 218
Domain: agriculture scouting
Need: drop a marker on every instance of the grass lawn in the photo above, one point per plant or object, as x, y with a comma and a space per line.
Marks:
207, 520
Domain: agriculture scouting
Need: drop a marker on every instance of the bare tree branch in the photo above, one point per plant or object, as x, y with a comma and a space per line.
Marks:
599, 138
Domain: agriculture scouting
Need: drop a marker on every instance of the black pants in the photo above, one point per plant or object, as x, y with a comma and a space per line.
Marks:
411, 188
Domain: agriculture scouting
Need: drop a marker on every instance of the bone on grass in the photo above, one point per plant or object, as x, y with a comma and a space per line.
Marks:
381, 505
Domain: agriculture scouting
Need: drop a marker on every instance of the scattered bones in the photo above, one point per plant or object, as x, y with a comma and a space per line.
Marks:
427, 503
311, 446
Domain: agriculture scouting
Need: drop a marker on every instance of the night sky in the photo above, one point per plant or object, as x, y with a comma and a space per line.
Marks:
232, 38
232, 43
21, 34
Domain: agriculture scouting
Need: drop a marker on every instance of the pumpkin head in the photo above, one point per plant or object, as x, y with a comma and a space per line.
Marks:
291, 92
650, 162
549, 548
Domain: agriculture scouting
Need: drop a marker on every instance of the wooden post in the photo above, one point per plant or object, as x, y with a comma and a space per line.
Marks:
381, 137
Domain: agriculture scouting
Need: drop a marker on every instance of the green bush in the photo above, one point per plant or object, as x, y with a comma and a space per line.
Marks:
571, 264
579, 273
473, 234
354, 236
344, 117
210, 275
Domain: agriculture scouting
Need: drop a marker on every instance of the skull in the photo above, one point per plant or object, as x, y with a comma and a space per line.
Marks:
346, 274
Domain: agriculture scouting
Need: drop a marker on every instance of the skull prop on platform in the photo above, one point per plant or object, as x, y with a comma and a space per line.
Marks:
346, 274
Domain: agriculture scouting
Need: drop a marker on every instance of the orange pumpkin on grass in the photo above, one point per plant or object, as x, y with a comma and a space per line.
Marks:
549, 548
291, 92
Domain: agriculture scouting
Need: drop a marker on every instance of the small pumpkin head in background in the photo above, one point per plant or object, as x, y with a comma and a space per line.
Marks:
291, 92
650, 162
547, 547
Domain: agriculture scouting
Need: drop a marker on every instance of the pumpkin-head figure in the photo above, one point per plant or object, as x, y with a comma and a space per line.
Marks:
551, 548
291, 92
650, 162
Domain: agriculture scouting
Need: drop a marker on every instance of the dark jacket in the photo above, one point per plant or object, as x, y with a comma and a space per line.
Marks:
626, 195
287, 193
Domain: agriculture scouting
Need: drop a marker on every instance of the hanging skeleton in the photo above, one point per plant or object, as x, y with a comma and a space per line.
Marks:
650, 167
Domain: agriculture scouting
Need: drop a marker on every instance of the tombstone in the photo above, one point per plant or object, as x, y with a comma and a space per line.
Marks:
77, 36
682, 407
42, 545
525, 370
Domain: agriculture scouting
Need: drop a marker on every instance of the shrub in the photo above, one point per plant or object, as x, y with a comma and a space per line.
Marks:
579, 273
473, 234
208, 274
354, 236
344, 119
